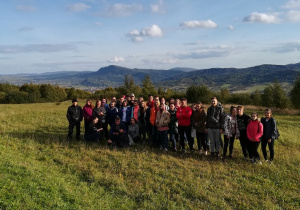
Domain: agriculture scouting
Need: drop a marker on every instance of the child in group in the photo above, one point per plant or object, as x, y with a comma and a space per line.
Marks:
254, 132
231, 131
92, 132
269, 135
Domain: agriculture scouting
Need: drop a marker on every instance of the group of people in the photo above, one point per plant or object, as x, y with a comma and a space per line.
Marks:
130, 120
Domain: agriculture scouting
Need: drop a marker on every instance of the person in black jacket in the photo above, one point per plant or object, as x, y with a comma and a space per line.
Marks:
118, 134
269, 135
243, 121
74, 116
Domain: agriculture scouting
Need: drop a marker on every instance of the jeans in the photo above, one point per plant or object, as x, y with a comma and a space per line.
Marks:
185, 130
201, 141
164, 138
172, 138
264, 144
214, 136
229, 141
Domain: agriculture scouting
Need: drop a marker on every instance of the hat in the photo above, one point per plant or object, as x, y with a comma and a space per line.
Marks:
74, 100
132, 95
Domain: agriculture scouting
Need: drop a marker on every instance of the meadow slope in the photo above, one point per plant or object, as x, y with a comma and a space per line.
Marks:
40, 169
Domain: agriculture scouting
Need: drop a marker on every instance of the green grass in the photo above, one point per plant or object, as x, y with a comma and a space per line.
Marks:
39, 169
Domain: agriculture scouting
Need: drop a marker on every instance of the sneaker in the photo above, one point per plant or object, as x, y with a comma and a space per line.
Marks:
206, 153
267, 161
260, 163
165, 150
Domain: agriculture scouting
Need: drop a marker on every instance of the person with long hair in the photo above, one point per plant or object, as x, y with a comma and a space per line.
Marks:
142, 120
199, 123
162, 122
269, 135
254, 133
231, 131
87, 112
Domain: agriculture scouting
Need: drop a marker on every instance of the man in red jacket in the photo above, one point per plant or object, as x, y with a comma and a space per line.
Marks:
183, 115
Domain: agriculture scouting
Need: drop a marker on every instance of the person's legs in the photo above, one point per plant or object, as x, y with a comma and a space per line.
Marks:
218, 140
256, 154
264, 149
244, 144
71, 127
231, 145
198, 140
172, 138
226, 140
187, 130
271, 149
77, 130
212, 140
181, 134
203, 138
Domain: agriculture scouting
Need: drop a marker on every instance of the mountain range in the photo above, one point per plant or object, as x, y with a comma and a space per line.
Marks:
235, 79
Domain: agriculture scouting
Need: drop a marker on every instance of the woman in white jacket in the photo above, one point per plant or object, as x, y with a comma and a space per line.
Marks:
231, 131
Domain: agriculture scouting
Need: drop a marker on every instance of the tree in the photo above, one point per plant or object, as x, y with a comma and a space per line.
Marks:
224, 95
295, 94
148, 87
199, 93
274, 96
256, 98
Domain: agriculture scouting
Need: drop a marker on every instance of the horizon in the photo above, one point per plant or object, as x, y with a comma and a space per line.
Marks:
202, 34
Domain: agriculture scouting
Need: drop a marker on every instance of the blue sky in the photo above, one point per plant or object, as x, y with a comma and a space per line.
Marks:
39, 36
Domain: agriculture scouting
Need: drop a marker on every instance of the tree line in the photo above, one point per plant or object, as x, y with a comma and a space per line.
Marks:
272, 96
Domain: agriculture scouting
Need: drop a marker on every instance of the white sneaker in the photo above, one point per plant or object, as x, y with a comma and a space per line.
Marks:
206, 153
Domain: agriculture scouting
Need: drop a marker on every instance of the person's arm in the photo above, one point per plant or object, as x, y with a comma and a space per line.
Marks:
260, 131
81, 114
274, 129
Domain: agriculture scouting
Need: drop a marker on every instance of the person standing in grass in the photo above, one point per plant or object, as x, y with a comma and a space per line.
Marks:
142, 121
243, 121
173, 126
183, 114
99, 111
269, 135
152, 120
111, 113
162, 122
199, 122
125, 113
214, 126
254, 132
74, 116
87, 112
92, 132
231, 131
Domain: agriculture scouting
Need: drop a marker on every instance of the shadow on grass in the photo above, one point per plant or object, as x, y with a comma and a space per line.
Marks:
44, 135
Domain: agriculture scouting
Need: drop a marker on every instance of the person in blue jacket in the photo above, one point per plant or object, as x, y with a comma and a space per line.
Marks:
125, 113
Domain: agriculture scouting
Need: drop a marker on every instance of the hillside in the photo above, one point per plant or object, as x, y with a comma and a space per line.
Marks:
177, 78
39, 169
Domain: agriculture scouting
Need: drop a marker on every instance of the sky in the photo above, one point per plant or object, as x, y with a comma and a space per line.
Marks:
39, 36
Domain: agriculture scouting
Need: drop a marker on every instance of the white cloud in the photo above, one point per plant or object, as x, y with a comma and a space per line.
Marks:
26, 8
293, 15
153, 31
256, 17
116, 59
157, 8
292, 4
169, 61
121, 10
198, 24
138, 36
230, 27
78, 7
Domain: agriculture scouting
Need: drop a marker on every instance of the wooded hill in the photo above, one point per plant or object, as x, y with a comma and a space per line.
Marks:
177, 78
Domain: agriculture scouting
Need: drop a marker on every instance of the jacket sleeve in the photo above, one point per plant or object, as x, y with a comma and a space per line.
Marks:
81, 114
274, 129
260, 131
167, 119
248, 132
227, 126
68, 114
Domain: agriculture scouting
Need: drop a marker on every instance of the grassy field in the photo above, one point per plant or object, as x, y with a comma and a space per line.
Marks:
39, 169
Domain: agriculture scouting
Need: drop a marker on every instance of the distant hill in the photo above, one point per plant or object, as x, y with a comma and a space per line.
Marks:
177, 78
